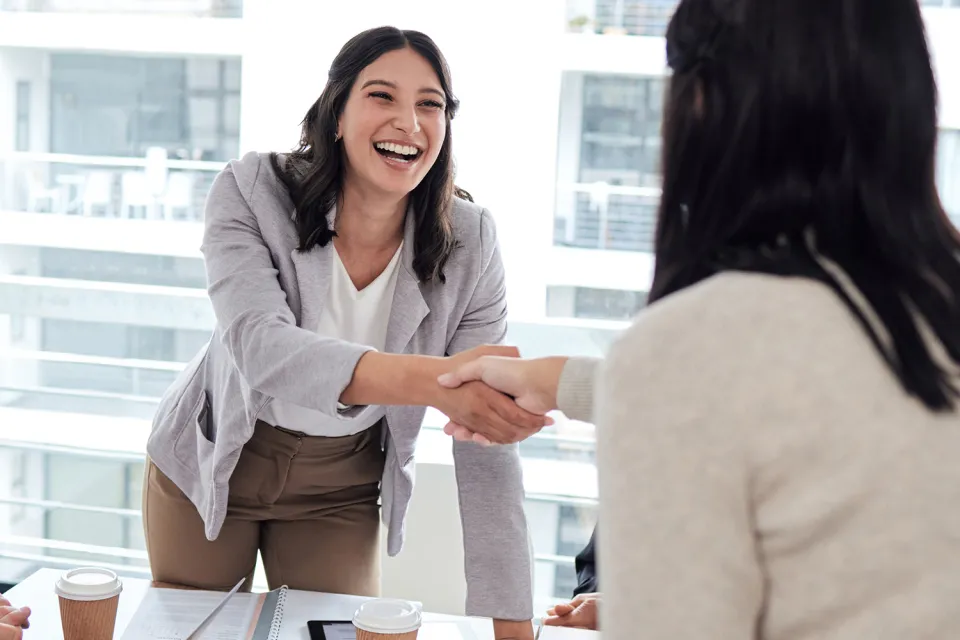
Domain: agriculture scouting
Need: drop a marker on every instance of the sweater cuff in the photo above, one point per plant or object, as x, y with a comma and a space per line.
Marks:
575, 390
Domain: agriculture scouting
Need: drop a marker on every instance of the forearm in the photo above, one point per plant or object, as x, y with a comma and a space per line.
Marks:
392, 379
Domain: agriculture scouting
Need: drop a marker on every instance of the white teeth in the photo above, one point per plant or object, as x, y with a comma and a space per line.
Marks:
398, 148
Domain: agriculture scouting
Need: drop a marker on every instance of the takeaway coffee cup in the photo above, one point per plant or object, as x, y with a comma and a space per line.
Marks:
386, 619
88, 603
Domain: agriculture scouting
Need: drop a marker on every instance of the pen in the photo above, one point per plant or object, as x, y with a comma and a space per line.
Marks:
539, 623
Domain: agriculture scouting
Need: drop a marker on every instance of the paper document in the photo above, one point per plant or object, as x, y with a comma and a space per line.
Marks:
175, 614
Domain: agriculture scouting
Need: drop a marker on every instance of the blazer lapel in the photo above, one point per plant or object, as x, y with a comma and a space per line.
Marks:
313, 281
314, 271
409, 308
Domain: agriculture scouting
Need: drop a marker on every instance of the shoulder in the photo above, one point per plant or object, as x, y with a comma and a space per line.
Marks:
473, 227
731, 333
252, 178
471, 220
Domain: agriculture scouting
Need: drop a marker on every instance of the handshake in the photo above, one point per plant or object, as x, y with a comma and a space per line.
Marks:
492, 396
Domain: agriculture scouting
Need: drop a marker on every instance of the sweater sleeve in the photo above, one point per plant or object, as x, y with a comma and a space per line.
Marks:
576, 388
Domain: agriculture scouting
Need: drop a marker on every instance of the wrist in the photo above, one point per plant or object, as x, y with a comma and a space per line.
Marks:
394, 379
416, 377
551, 370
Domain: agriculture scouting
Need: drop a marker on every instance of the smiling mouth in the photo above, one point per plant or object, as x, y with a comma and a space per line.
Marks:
398, 152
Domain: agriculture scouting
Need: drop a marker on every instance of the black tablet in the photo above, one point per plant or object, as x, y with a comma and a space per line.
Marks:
331, 630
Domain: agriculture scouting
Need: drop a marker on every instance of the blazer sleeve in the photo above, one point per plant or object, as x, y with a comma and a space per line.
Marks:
498, 565
256, 326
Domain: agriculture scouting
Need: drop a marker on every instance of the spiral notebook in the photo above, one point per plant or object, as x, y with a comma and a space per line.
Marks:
175, 614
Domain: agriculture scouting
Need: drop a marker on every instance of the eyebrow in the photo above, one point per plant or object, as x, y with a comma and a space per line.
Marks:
393, 85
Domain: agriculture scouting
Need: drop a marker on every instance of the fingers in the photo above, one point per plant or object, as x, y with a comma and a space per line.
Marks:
473, 370
462, 434
14, 617
520, 424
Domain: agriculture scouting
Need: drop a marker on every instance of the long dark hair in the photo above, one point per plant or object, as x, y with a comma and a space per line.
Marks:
800, 137
314, 172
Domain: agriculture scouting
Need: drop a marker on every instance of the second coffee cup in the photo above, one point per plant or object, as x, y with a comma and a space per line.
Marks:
387, 619
88, 603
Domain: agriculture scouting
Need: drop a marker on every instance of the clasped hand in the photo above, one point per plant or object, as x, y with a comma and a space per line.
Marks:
503, 398
492, 414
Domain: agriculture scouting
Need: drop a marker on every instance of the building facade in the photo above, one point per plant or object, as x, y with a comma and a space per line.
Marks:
120, 112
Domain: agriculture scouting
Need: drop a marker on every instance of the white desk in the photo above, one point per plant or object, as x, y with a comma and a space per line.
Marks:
37, 593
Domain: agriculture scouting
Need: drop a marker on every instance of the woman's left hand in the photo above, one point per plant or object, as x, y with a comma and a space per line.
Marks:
583, 612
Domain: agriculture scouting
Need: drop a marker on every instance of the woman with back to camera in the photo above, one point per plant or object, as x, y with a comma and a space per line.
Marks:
342, 275
778, 432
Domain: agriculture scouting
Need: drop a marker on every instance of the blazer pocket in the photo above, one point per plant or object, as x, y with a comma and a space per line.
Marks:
196, 440
203, 424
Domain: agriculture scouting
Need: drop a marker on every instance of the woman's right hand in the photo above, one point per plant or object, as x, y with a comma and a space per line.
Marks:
531, 383
484, 410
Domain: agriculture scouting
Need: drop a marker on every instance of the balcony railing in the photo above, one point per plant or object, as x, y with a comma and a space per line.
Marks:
643, 17
605, 216
198, 8
153, 187
620, 17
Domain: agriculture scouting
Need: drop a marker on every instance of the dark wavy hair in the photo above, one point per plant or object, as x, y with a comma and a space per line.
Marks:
314, 172
800, 137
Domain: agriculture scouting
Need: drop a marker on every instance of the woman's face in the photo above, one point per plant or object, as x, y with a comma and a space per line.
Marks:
393, 124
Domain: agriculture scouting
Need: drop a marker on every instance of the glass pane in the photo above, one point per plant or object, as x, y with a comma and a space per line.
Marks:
203, 73
113, 105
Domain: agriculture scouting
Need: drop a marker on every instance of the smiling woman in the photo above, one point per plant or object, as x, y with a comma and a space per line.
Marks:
388, 104
345, 276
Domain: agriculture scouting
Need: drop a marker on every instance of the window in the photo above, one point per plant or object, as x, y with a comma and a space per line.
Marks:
608, 161
592, 303
22, 141
948, 172
112, 105
185, 8
620, 17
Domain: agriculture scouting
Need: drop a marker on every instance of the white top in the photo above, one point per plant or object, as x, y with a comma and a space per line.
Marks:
360, 317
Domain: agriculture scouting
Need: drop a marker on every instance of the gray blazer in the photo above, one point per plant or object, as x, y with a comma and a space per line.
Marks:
263, 290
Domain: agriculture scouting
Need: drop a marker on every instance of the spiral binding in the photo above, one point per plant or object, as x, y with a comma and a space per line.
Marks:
278, 614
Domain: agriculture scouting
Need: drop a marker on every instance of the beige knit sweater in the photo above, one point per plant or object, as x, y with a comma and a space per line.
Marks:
764, 476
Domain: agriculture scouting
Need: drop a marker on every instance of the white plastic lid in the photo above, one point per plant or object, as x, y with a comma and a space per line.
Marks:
387, 616
88, 583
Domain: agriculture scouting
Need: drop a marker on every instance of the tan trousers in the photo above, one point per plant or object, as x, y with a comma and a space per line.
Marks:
309, 505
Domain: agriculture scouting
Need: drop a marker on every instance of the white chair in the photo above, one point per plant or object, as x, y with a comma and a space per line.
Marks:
179, 194
98, 193
38, 192
135, 193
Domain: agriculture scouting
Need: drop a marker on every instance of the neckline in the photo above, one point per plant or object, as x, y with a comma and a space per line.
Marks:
374, 284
